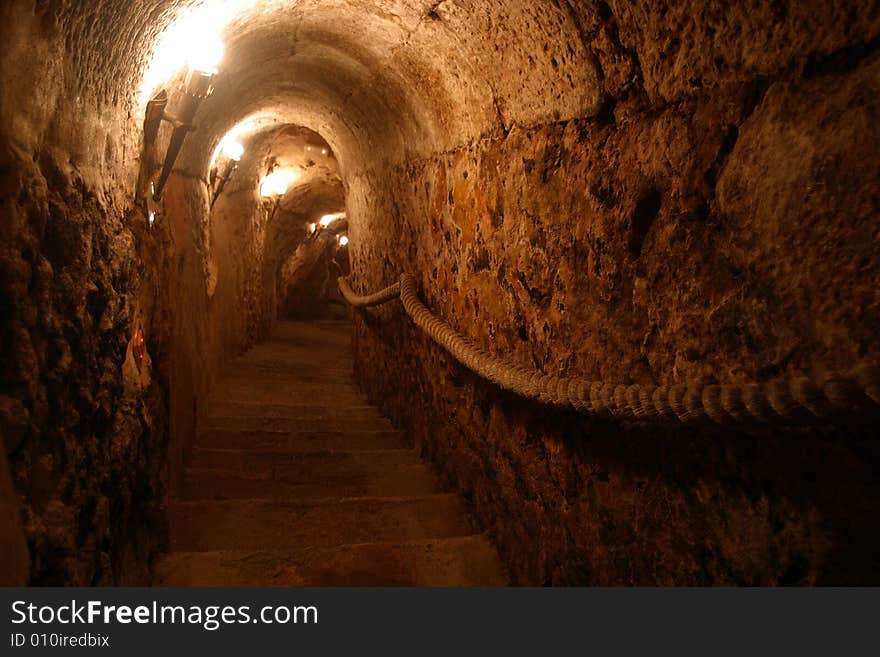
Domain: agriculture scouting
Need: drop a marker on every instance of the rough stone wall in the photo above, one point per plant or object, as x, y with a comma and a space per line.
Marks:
713, 220
82, 418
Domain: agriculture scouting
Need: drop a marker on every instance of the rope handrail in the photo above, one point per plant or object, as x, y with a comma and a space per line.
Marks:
773, 401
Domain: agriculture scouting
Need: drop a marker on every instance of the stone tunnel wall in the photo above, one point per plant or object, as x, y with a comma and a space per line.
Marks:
714, 220
83, 418
96, 426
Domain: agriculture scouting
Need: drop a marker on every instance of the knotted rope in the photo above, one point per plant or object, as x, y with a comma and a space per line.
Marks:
777, 400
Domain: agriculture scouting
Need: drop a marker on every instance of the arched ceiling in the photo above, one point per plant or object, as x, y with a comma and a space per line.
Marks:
380, 80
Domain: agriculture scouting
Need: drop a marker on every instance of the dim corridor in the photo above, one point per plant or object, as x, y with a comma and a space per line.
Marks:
296, 480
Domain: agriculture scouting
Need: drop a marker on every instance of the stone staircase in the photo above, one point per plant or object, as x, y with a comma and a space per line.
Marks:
296, 480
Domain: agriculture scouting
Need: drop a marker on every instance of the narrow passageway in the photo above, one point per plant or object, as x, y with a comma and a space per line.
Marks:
296, 480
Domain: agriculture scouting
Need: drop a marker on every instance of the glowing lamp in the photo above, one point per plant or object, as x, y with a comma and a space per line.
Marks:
267, 188
205, 54
328, 219
277, 182
139, 346
343, 240
312, 228
233, 150
152, 206
275, 185
318, 150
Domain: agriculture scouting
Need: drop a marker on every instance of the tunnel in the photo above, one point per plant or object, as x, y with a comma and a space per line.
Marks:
440, 292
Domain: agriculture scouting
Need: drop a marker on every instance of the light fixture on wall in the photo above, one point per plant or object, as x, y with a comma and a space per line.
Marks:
275, 185
328, 219
343, 240
314, 229
138, 346
233, 150
197, 86
152, 206
313, 150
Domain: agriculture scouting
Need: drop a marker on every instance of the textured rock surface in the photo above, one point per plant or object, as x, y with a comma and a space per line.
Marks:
728, 236
14, 559
83, 423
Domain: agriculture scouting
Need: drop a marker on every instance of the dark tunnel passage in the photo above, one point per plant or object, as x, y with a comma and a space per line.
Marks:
647, 195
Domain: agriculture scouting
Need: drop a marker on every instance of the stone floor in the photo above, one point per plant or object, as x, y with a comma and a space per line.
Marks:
296, 480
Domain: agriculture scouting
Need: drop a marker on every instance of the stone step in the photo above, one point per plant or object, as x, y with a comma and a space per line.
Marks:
321, 333
460, 561
286, 392
305, 441
289, 355
199, 526
320, 466
226, 408
296, 480
400, 480
281, 360
309, 423
319, 343
305, 378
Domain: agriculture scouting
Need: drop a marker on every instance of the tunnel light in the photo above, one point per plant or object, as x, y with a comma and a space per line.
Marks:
205, 53
278, 182
138, 346
312, 228
267, 188
152, 208
343, 240
275, 185
312, 149
328, 219
192, 35
241, 131
233, 150
196, 88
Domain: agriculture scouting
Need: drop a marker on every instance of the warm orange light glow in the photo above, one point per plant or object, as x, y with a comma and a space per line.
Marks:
204, 52
278, 182
242, 130
328, 219
233, 149
193, 36
139, 345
